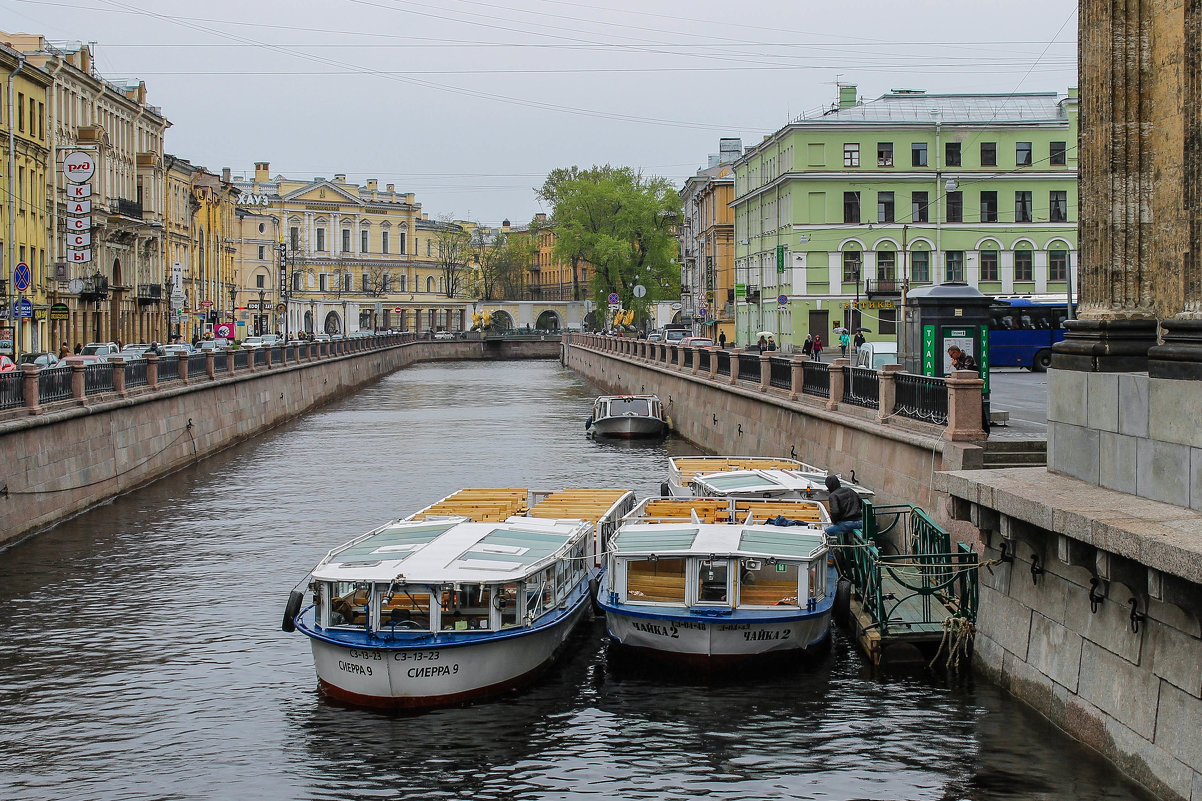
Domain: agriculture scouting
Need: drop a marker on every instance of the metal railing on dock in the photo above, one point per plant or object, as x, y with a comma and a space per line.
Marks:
781, 372
749, 367
816, 379
862, 387
921, 397
11, 388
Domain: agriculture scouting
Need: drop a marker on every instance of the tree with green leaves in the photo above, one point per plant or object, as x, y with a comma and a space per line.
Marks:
623, 223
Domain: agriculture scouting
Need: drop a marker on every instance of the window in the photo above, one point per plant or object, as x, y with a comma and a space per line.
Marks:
659, 581
955, 207
851, 207
884, 154
920, 266
989, 265
383, 241
403, 283
346, 240
884, 207
1057, 265
1058, 206
887, 321
260, 281
989, 207
294, 238
1022, 207
429, 247
429, 283
363, 248
322, 282
1057, 153
1022, 154
851, 266
347, 282
919, 207
400, 242
409, 609
886, 265
918, 154
851, 154
20, 111
262, 251
989, 154
465, 608
321, 239
712, 584
951, 154
366, 283
296, 282
955, 265
1023, 270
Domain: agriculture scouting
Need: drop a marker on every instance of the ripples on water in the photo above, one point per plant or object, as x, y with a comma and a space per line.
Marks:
142, 657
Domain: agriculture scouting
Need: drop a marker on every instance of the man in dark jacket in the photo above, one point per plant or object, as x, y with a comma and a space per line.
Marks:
845, 507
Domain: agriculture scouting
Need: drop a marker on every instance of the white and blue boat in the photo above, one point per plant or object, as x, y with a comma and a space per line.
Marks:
712, 582
750, 477
468, 598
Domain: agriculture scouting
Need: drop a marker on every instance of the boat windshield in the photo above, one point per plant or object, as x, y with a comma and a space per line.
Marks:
342, 603
466, 607
767, 583
655, 580
629, 406
405, 608
712, 582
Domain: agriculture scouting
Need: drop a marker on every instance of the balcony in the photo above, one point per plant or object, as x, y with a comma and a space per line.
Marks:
126, 208
149, 293
883, 286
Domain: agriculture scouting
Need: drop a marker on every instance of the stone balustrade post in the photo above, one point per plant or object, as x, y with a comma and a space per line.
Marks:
680, 351
152, 371
838, 375
887, 392
765, 371
696, 360
714, 364
77, 383
733, 378
250, 360
229, 361
117, 365
29, 388
268, 357
797, 376
210, 366
964, 410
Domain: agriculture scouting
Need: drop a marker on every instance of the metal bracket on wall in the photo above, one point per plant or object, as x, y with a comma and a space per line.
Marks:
1036, 570
1096, 595
1137, 616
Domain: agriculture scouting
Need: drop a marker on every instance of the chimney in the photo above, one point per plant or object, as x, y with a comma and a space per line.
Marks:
409, 197
340, 177
540, 217
391, 187
225, 174
262, 171
847, 95
714, 160
371, 184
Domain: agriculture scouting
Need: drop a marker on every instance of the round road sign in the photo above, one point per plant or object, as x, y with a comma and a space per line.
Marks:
613, 298
639, 290
398, 309
783, 300
21, 277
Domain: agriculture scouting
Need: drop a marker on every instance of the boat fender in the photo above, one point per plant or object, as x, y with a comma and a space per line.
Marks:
842, 605
594, 588
663, 489
292, 609
588, 423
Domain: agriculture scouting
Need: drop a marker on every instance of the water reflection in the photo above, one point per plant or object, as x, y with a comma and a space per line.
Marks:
142, 656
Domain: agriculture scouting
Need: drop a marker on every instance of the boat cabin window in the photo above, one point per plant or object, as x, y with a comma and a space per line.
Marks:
713, 582
548, 584
817, 581
630, 406
466, 607
505, 600
347, 604
659, 581
405, 607
765, 582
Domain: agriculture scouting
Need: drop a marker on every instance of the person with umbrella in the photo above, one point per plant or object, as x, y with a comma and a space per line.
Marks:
858, 339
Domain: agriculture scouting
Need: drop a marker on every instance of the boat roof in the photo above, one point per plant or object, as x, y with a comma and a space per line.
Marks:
770, 481
626, 397
493, 504
744, 511
719, 539
689, 466
451, 550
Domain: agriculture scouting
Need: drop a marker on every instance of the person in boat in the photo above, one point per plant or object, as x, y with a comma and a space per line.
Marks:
847, 513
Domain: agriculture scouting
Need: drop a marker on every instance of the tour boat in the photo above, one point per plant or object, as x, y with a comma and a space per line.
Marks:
467, 598
628, 417
750, 477
715, 581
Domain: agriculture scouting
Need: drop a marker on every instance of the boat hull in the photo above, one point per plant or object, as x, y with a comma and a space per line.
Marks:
630, 427
417, 676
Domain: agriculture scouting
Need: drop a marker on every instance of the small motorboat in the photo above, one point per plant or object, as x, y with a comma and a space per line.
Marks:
750, 477
628, 417
711, 582
467, 598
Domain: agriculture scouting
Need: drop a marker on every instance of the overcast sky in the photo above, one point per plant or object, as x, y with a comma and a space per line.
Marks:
469, 103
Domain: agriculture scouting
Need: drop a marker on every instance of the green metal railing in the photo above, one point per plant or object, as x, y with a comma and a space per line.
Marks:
918, 587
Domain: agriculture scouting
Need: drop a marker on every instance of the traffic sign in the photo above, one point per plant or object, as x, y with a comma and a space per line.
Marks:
206, 304
639, 290
224, 330
398, 309
783, 300
613, 298
21, 277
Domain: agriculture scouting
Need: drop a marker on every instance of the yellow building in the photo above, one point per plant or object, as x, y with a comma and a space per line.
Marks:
24, 212
707, 253
178, 246
212, 292
550, 277
257, 271
357, 257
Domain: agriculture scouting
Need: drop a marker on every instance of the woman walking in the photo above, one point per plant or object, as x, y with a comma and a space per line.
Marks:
817, 348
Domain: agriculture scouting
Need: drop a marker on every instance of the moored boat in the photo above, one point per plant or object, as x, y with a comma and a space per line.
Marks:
628, 417
750, 477
711, 582
469, 597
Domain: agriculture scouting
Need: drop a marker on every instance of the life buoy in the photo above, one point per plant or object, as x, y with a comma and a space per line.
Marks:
292, 609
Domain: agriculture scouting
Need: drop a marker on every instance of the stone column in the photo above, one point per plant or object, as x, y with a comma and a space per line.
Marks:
77, 383
765, 371
838, 373
210, 366
152, 371
733, 378
117, 365
29, 388
798, 376
696, 360
887, 393
229, 362
963, 406
714, 364
268, 356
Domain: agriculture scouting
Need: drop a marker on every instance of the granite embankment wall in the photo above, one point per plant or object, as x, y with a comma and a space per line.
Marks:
75, 453
743, 418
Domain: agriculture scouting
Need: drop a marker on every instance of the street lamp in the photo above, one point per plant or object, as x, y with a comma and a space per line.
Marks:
260, 318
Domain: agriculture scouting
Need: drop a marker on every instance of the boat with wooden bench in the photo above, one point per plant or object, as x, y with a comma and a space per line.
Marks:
750, 477
628, 417
715, 581
466, 598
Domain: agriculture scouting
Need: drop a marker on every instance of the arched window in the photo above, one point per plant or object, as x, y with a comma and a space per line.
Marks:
853, 261
430, 283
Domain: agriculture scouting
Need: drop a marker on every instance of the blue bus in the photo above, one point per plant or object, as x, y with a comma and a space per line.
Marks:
1023, 329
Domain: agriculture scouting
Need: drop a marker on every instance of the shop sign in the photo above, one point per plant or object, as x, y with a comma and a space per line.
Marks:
59, 311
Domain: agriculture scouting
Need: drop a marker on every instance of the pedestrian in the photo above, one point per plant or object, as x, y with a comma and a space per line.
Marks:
818, 348
64, 351
763, 344
771, 344
807, 347
858, 340
960, 359
845, 507
722, 340
78, 348
844, 341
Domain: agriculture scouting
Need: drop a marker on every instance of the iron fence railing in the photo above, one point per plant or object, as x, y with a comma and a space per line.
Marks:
135, 373
862, 387
277, 354
781, 375
688, 358
97, 378
749, 367
11, 388
54, 384
703, 361
241, 359
220, 363
260, 357
723, 362
198, 363
921, 397
816, 379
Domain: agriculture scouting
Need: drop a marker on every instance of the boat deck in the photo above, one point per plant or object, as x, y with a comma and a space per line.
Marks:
689, 466
721, 510
577, 504
496, 504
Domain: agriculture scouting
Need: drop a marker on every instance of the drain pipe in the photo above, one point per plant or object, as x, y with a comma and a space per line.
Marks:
12, 209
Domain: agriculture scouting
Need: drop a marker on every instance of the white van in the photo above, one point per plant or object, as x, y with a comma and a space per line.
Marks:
876, 354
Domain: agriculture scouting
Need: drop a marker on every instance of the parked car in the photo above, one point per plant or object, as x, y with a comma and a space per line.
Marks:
655, 336
176, 350
214, 345
674, 334
321, 337
99, 349
7, 365
271, 340
39, 360
443, 335
252, 343
697, 342
876, 354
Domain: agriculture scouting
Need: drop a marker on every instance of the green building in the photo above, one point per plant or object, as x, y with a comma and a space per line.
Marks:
835, 216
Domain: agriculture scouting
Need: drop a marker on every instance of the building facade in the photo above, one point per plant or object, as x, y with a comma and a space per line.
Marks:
707, 285
835, 216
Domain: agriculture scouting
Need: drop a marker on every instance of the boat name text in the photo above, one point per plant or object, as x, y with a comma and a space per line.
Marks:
354, 667
432, 670
767, 635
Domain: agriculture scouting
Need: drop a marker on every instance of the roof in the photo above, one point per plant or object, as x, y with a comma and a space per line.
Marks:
922, 108
801, 542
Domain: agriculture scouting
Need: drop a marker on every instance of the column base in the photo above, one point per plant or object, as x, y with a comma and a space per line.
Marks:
1105, 346
1180, 356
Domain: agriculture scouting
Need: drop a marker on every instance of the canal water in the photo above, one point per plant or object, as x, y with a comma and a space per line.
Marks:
141, 655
